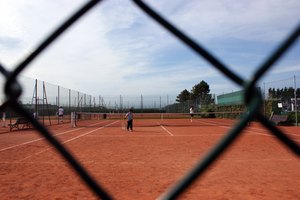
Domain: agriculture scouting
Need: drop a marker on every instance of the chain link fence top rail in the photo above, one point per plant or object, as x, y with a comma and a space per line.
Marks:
253, 100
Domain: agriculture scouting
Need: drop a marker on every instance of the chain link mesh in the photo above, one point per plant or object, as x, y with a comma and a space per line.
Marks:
253, 100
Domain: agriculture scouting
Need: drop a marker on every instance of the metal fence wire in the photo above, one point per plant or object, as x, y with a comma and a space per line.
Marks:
253, 100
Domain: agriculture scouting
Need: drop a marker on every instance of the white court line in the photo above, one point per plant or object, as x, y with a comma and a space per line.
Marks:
79, 136
32, 141
22, 144
265, 130
166, 130
102, 122
253, 132
248, 131
269, 132
219, 125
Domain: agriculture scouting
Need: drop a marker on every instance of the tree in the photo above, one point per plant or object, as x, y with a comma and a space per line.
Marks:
271, 93
183, 96
200, 93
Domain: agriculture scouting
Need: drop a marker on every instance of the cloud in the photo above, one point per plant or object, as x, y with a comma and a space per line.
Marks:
118, 49
7, 43
246, 20
286, 69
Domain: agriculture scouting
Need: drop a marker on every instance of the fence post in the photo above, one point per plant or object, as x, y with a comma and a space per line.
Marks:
58, 103
69, 101
3, 119
295, 93
73, 123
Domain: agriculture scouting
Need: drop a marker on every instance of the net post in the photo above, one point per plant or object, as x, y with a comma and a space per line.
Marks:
73, 123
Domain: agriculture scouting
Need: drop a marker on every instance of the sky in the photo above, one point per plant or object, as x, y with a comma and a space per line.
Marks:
116, 49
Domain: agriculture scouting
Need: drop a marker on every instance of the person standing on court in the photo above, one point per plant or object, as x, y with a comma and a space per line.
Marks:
192, 112
60, 113
129, 116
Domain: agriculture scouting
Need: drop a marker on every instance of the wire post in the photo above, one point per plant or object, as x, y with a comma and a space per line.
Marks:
58, 104
264, 96
3, 119
36, 100
295, 93
69, 100
73, 123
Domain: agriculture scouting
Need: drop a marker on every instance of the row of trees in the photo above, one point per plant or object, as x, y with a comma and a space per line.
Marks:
284, 94
200, 95
201, 91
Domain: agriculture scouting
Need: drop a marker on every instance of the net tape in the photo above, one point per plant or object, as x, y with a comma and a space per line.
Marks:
253, 99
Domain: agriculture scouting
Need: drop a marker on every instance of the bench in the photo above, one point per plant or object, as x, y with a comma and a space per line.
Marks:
277, 119
20, 123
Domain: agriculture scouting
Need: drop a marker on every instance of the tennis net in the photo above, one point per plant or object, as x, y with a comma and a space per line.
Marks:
87, 119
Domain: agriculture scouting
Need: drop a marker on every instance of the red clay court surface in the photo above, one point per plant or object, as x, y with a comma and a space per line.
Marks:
143, 164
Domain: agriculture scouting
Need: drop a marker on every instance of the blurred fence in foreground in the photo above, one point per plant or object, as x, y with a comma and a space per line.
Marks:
253, 101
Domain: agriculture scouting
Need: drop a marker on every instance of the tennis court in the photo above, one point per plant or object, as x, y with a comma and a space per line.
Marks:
144, 163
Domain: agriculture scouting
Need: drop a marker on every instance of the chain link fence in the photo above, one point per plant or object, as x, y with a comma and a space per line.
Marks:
253, 99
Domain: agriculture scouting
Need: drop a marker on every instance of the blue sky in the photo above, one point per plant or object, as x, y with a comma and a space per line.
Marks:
116, 49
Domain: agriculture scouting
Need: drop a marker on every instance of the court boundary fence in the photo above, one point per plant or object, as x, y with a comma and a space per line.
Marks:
253, 99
